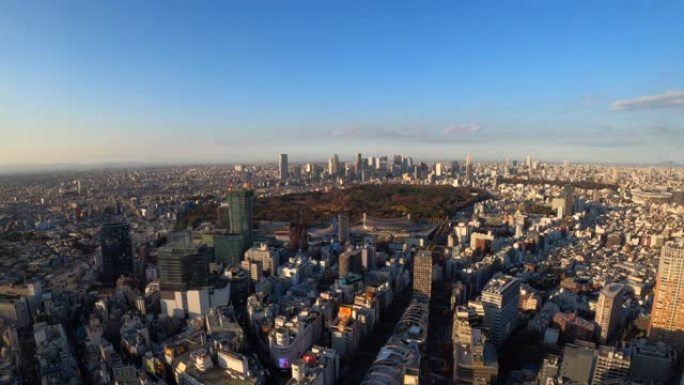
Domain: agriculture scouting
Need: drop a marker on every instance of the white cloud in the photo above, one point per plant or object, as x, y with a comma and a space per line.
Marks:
665, 100
344, 133
461, 128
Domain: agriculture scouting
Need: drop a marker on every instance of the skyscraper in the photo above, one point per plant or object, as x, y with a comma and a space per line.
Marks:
568, 199
667, 319
422, 274
334, 165
500, 298
282, 167
183, 266
117, 252
609, 309
439, 169
468, 169
342, 228
235, 215
228, 248
357, 164
368, 258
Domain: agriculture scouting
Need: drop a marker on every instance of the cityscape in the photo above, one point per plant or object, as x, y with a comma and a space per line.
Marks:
541, 273
341, 193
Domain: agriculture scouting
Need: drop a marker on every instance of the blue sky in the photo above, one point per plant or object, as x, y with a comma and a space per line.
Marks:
179, 81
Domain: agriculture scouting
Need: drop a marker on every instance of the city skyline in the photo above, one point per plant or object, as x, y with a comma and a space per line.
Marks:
154, 83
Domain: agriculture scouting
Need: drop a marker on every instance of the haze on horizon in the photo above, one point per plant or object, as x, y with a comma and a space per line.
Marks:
176, 81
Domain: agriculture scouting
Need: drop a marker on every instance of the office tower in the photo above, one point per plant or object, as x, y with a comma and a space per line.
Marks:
342, 228
291, 337
239, 285
568, 199
254, 268
439, 169
334, 165
235, 216
422, 274
667, 319
475, 360
368, 258
183, 266
519, 224
611, 366
269, 258
349, 261
651, 363
455, 167
315, 173
282, 167
469, 169
609, 310
528, 161
549, 369
117, 252
228, 248
357, 163
500, 298
345, 333
297, 173
578, 362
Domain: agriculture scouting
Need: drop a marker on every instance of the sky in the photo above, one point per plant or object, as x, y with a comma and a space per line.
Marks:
237, 81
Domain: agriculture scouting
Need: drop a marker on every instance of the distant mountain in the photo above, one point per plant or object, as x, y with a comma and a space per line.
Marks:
20, 168
668, 163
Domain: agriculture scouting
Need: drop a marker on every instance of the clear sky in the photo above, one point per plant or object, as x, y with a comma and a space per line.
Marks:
175, 81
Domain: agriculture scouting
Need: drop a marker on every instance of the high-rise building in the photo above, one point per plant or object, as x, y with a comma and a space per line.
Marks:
297, 173
345, 333
349, 262
549, 369
117, 252
282, 167
183, 266
568, 199
334, 165
342, 228
667, 319
500, 298
228, 248
269, 258
475, 360
609, 310
611, 366
439, 169
651, 363
468, 169
578, 362
357, 164
368, 258
235, 215
422, 274
254, 268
